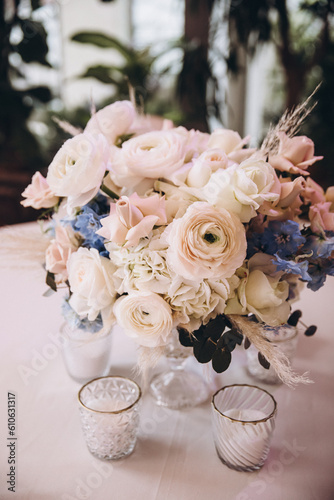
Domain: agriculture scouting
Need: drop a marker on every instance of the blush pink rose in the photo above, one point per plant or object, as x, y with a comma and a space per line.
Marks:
313, 193
132, 218
60, 250
38, 194
206, 242
294, 155
321, 218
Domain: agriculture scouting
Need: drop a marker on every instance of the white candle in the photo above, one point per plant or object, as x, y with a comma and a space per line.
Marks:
247, 415
107, 404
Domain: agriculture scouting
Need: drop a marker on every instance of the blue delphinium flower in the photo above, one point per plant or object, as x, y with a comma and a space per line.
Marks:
74, 321
319, 270
282, 237
290, 266
319, 245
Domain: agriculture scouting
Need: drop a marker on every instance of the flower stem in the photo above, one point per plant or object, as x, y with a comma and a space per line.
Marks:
109, 192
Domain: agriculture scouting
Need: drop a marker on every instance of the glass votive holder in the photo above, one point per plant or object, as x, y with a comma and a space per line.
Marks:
109, 410
286, 339
243, 420
86, 354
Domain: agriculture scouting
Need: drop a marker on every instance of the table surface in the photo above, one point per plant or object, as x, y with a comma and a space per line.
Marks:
174, 458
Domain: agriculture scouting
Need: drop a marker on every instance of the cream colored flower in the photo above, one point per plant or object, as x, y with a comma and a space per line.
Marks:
242, 189
206, 242
77, 170
91, 282
151, 155
112, 121
260, 293
145, 317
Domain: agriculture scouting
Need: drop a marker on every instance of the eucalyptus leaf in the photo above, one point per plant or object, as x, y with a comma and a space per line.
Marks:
204, 350
103, 41
263, 361
221, 360
185, 337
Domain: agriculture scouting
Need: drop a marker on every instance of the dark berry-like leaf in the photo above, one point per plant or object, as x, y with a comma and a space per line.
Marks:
247, 343
50, 281
232, 338
263, 361
204, 350
294, 318
186, 339
310, 330
221, 360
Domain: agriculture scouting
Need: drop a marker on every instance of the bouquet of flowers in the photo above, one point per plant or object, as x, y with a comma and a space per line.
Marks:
154, 227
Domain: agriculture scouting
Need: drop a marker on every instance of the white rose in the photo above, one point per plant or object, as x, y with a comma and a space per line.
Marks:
78, 168
112, 121
91, 283
243, 188
145, 317
206, 242
151, 155
260, 293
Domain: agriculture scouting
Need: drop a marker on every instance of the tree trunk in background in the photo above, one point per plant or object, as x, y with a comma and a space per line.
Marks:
192, 84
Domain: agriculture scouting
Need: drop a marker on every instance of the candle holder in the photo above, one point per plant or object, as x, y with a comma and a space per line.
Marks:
86, 354
243, 420
109, 410
286, 339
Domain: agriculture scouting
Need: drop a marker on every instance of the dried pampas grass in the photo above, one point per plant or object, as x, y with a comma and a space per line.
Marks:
289, 123
22, 246
278, 360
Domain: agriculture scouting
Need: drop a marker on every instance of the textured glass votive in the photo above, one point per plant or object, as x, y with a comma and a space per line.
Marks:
109, 410
243, 420
286, 339
86, 355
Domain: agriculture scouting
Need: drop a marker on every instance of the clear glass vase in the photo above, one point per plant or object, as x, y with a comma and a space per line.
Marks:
286, 339
86, 355
178, 387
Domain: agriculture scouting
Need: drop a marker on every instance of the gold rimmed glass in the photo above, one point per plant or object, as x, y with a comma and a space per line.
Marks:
109, 410
243, 421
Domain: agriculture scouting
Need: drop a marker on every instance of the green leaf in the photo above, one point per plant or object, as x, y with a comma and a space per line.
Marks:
310, 330
101, 73
221, 360
35, 4
294, 318
50, 281
247, 343
103, 41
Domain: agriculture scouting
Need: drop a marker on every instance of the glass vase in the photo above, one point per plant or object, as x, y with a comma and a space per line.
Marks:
178, 387
286, 339
86, 354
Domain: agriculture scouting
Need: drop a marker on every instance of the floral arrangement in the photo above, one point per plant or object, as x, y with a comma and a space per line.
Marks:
154, 226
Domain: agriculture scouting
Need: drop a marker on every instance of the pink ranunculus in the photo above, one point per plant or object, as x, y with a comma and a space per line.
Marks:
321, 218
206, 242
112, 121
132, 218
313, 193
294, 154
38, 194
60, 250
